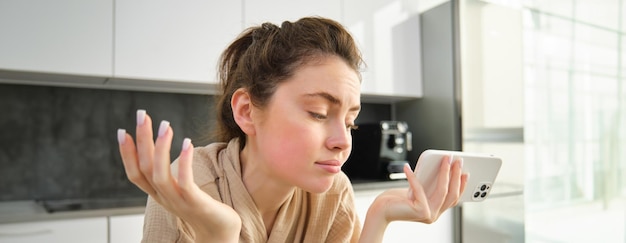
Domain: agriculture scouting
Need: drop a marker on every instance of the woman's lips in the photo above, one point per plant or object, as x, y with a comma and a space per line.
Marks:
331, 166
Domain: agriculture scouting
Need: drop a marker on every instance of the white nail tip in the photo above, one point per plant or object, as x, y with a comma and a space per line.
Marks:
121, 136
163, 127
186, 143
141, 116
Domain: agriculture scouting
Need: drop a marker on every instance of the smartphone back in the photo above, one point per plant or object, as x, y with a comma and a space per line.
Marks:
482, 169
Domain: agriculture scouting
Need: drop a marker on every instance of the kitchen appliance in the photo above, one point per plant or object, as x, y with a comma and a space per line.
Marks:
379, 151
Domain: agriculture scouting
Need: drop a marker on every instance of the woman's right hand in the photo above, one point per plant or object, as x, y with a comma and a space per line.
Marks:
147, 165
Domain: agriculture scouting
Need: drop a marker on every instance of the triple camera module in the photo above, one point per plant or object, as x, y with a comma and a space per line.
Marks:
481, 191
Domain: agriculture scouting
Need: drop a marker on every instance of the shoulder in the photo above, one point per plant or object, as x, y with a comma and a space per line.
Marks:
206, 163
205, 156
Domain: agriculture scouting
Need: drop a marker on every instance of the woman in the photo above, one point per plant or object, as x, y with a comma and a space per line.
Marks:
290, 98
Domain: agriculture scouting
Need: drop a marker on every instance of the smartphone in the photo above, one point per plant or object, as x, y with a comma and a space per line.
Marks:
482, 168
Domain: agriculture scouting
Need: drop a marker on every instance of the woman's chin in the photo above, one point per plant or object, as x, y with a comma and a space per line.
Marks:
319, 187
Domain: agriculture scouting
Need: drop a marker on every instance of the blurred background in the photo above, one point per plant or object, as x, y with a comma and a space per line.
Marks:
540, 83
543, 85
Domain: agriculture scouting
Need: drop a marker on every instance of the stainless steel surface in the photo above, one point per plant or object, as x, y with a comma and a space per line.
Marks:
52, 206
31, 211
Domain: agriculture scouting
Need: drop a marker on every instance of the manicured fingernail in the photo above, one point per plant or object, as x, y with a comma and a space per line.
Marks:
186, 143
451, 159
141, 117
461, 163
163, 127
121, 136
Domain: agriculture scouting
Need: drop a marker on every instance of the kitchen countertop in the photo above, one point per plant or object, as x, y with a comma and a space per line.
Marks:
31, 211
364, 185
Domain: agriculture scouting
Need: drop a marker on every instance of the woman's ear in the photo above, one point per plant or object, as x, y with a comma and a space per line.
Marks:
242, 110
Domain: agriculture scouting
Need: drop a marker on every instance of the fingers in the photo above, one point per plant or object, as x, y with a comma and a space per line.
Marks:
449, 185
185, 173
162, 178
130, 161
455, 184
443, 183
145, 144
416, 189
147, 163
464, 180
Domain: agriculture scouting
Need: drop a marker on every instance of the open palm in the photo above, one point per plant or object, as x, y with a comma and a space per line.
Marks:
147, 165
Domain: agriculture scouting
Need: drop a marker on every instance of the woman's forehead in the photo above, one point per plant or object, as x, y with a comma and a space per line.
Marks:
331, 76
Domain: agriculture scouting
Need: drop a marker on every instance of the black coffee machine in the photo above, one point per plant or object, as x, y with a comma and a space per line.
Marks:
379, 151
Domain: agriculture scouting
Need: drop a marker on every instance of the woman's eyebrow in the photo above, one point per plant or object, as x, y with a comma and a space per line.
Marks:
331, 99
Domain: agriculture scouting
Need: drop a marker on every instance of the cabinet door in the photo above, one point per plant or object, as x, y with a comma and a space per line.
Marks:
67, 231
173, 40
63, 36
277, 11
388, 34
126, 228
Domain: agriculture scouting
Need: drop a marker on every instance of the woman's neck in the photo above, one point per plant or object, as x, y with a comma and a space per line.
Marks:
267, 191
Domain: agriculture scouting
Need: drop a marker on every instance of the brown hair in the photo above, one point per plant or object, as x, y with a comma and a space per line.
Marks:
264, 56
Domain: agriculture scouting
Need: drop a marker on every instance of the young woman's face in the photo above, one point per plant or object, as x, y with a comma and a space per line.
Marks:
304, 135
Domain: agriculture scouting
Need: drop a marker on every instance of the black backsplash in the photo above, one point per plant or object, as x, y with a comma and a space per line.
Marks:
60, 143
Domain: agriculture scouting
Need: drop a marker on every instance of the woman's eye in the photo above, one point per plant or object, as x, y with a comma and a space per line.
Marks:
317, 115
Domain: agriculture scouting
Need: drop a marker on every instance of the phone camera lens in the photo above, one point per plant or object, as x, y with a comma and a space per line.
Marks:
483, 187
476, 194
484, 194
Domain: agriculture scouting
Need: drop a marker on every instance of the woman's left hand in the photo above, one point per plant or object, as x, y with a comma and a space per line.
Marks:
416, 204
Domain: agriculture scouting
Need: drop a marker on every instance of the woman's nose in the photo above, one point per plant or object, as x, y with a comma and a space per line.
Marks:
339, 138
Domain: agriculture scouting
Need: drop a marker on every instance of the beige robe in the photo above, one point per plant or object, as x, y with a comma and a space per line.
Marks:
305, 217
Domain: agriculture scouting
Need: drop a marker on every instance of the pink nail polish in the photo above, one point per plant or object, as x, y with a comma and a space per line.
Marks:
141, 117
186, 143
121, 136
163, 127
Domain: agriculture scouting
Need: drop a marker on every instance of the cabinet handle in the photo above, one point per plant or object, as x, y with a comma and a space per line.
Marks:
409, 141
26, 233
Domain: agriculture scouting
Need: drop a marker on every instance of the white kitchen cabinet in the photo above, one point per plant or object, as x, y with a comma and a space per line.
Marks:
388, 34
277, 11
439, 232
126, 228
173, 40
63, 36
93, 230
